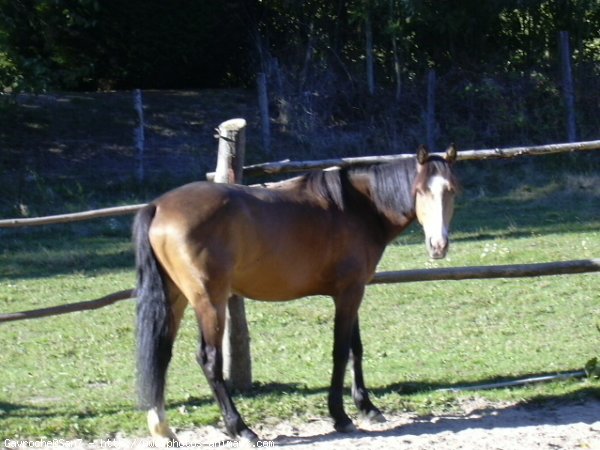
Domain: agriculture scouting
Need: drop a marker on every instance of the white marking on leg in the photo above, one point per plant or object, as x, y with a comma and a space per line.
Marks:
158, 424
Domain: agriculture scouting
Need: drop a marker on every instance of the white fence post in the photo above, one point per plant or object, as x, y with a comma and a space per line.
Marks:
237, 363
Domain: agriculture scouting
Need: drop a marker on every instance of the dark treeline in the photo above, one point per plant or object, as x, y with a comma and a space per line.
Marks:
496, 61
115, 44
96, 44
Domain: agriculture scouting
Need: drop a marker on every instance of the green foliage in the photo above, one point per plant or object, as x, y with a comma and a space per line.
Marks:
38, 38
141, 43
83, 44
9, 77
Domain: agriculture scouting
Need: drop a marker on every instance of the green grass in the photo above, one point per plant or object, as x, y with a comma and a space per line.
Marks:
73, 375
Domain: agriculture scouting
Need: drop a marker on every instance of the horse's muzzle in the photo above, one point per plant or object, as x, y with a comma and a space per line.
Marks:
437, 248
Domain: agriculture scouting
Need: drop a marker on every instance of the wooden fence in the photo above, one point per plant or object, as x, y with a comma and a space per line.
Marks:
399, 276
229, 169
288, 166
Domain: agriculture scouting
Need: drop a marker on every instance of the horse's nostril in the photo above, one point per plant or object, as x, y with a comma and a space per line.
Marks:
441, 244
437, 247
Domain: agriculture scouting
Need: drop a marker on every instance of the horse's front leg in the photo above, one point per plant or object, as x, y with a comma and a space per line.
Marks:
359, 390
346, 315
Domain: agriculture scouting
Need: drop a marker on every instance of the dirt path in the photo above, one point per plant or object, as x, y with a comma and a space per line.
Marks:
480, 427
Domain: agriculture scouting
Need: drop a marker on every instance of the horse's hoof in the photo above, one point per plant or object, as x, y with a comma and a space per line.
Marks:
374, 417
167, 442
159, 427
248, 436
346, 427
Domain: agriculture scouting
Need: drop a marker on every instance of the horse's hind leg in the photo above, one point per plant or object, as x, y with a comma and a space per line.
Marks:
359, 390
210, 310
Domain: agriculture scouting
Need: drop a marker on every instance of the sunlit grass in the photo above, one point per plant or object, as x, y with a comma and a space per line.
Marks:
74, 375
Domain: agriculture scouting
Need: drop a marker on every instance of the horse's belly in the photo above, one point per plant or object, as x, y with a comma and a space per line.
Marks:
279, 283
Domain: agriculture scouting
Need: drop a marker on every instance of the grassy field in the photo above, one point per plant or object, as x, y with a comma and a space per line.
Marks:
73, 375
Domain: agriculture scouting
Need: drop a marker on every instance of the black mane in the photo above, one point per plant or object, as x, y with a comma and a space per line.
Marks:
326, 184
390, 186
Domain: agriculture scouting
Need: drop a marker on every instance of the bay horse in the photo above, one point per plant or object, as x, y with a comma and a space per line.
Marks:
319, 234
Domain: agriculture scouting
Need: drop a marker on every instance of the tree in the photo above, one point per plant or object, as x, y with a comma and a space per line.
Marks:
87, 44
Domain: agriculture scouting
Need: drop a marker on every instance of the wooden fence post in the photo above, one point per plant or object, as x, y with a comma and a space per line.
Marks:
369, 54
138, 133
237, 365
263, 103
430, 120
567, 85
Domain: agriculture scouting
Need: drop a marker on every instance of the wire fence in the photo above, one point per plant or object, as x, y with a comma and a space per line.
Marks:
458, 273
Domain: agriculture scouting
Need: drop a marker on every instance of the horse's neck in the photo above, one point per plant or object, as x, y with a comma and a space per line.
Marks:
392, 205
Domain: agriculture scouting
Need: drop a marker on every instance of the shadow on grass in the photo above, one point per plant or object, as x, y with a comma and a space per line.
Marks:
414, 388
12, 409
45, 254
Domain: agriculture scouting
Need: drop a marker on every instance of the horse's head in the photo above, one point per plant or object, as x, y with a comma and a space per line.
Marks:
435, 189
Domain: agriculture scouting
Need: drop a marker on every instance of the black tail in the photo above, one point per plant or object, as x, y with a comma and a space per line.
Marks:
154, 317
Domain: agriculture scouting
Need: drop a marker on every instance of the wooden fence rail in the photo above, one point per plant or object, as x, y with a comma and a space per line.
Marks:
287, 166
489, 272
73, 217
299, 166
69, 307
401, 276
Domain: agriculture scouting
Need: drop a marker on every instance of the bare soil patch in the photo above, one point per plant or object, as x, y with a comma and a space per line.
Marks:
481, 426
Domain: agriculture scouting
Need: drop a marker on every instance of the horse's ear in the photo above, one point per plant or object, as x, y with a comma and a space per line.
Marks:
451, 153
422, 154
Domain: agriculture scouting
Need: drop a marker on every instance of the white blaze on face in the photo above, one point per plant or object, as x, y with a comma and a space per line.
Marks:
435, 207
